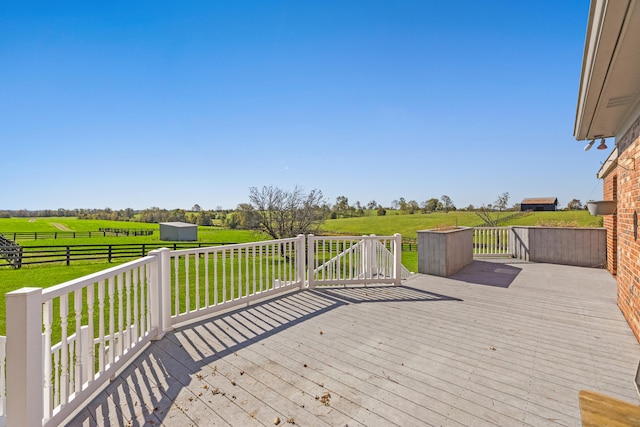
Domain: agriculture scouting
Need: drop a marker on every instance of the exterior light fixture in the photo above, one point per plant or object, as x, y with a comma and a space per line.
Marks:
589, 145
602, 145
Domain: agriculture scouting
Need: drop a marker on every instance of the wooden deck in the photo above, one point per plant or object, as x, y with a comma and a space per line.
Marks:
504, 344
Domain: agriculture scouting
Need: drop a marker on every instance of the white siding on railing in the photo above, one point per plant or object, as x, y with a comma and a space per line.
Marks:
206, 279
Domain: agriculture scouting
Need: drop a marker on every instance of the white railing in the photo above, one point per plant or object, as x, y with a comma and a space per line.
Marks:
205, 280
491, 241
109, 310
67, 341
354, 260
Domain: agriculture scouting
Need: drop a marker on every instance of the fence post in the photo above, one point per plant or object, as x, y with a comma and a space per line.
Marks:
397, 259
69, 256
160, 292
310, 260
300, 260
24, 357
19, 264
165, 287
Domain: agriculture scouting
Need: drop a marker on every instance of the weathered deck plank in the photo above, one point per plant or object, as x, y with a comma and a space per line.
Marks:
497, 344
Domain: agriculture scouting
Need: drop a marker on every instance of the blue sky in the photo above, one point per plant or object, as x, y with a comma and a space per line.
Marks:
163, 103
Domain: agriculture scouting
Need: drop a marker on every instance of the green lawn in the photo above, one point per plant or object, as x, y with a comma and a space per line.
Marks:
407, 225
559, 218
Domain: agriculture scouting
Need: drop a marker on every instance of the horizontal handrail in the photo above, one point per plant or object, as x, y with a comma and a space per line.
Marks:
76, 284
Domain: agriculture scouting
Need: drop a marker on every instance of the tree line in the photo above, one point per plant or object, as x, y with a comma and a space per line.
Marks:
293, 208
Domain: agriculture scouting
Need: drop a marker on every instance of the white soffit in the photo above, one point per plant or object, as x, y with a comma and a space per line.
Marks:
610, 79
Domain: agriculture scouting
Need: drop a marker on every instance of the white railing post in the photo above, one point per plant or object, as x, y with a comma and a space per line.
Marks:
310, 260
24, 357
164, 266
159, 283
372, 256
397, 259
300, 260
364, 259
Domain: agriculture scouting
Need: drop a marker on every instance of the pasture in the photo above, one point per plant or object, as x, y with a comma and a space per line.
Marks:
407, 225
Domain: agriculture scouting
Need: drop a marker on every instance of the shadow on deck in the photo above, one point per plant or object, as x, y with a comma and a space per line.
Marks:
436, 351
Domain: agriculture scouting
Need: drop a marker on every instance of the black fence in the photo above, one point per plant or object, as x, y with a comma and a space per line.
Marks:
104, 232
30, 255
11, 252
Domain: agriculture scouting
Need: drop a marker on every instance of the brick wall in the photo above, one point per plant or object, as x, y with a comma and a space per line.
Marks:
624, 225
610, 222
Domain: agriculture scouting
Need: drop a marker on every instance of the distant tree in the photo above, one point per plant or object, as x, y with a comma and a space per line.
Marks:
412, 207
395, 204
516, 207
488, 215
402, 205
372, 205
285, 213
431, 205
447, 203
501, 202
196, 208
204, 218
230, 221
471, 208
341, 207
246, 217
575, 205
381, 211
177, 215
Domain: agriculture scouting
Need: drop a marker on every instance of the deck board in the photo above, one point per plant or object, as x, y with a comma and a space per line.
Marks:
456, 352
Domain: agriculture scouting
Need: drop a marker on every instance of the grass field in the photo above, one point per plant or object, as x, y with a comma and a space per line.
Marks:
407, 225
205, 234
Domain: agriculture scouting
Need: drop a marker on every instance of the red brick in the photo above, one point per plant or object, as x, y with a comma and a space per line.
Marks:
623, 242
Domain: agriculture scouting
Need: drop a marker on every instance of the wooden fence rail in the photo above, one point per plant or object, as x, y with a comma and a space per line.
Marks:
42, 235
30, 255
10, 252
17, 256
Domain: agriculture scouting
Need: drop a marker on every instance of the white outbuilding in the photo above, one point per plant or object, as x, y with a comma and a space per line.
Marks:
178, 231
